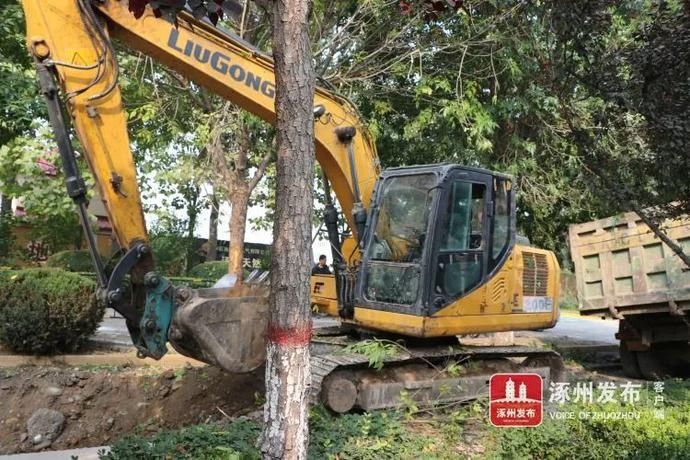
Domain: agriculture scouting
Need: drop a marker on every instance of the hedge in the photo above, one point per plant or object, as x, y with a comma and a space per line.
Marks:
210, 270
72, 261
47, 310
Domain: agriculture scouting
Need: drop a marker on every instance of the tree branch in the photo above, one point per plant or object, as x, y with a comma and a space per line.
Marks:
675, 247
261, 170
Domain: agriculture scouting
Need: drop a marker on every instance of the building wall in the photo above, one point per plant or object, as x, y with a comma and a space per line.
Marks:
38, 251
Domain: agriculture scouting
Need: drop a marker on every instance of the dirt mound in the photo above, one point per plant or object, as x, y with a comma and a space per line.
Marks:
102, 405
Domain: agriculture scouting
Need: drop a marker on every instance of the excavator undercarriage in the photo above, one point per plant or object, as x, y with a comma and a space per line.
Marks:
421, 374
214, 327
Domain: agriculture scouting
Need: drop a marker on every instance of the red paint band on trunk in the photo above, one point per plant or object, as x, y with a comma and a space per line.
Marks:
294, 336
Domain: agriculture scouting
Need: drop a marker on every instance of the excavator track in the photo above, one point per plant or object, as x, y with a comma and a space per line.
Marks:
421, 372
425, 375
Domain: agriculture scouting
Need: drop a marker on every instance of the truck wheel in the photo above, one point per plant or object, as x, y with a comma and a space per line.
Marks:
653, 366
629, 361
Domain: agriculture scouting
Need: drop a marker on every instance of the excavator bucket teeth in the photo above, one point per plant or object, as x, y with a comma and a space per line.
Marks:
222, 327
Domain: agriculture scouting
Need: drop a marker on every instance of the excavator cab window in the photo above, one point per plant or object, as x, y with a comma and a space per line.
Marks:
397, 246
463, 239
474, 233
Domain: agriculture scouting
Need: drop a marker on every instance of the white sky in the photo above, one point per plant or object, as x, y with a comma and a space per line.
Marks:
252, 235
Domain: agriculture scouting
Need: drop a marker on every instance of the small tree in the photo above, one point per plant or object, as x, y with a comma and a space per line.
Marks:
29, 168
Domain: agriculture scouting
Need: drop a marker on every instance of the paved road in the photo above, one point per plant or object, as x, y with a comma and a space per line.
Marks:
571, 328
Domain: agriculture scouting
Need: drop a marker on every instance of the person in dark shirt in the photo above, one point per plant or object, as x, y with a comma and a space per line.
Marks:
321, 268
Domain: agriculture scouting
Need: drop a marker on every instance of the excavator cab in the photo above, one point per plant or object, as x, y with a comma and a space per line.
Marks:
435, 233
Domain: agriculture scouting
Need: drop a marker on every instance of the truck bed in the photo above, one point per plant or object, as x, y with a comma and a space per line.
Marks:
622, 268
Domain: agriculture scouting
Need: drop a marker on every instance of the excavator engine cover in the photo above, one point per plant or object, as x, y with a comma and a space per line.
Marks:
222, 327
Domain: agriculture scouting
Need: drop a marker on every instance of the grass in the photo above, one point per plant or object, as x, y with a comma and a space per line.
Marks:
412, 433
637, 438
377, 435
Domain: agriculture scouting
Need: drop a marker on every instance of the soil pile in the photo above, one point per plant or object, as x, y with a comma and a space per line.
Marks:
101, 405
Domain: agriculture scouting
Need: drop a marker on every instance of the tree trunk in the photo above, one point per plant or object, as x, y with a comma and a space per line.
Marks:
5, 226
5, 206
212, 252
192, 197
238, 225
286, 430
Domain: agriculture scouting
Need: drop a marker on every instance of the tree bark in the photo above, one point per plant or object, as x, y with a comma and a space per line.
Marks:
238, 225
191, 194
5, 227
286, 430
212, 252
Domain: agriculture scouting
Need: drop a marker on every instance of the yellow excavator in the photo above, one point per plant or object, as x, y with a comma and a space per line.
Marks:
431, 253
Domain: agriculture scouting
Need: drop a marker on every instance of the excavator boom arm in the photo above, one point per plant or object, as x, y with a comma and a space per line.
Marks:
70, 41
72, 36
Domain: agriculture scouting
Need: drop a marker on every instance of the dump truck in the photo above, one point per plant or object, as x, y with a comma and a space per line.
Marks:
624, 271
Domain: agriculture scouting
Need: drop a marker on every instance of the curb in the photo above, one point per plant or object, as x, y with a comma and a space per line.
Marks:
87, 453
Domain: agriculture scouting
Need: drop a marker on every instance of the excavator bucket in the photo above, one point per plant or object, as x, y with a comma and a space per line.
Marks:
224, 327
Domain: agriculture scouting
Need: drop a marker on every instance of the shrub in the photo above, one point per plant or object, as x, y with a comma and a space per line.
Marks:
170, 251
210, 270
45, 311
71, 261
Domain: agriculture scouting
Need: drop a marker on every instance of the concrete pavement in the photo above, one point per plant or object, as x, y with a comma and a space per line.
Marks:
88, 453
113, 332
571, 327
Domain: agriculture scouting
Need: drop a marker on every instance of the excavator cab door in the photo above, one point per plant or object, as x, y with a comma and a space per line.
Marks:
474, 233
391, 274
459, 259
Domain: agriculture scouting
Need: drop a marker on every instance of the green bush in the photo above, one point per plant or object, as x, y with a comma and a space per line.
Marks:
46, 311
170, 251
210, 270
71, 261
